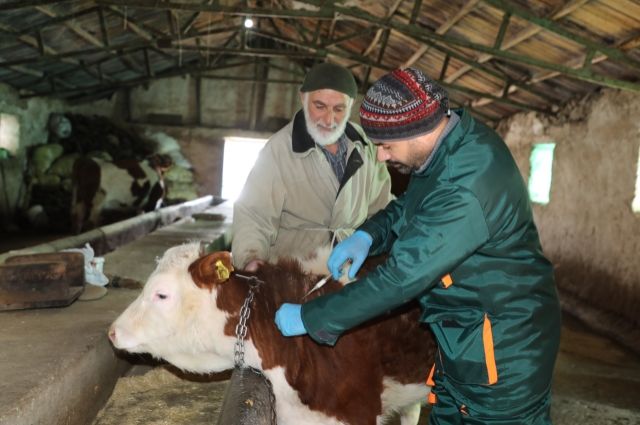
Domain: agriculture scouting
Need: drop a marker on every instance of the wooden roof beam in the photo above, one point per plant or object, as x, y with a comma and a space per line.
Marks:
392, 10
48, 51
350, 36
427, 36
321, 13
576, 63
442, 29
547, 24
521, 36
415, 11
57, 19
90, 38
173, 72
23, 4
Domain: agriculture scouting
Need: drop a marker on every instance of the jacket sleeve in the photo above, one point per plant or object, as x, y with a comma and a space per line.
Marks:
448, 227
256, 213
380, 226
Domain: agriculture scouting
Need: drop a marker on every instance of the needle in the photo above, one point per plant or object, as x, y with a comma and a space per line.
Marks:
318, 285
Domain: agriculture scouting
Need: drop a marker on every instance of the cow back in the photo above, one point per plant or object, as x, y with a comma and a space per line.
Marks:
348, 378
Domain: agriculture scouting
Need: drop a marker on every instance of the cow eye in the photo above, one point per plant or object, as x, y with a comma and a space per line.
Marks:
162, 296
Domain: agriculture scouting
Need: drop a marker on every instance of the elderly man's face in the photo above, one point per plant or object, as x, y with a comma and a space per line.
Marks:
326, 112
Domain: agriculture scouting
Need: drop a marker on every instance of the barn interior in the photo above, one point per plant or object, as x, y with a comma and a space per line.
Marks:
205, 82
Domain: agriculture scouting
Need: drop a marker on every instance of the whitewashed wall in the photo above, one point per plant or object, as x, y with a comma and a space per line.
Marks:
588, 229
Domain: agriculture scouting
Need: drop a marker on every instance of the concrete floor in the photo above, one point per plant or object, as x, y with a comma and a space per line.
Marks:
57, 366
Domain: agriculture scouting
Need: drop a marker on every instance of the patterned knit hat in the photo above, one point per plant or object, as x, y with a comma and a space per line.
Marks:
330, 76
402, 105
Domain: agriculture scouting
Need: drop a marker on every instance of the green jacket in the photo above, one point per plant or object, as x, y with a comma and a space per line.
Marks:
463, 242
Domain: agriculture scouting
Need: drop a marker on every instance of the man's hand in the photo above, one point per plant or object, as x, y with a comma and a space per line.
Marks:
354, 248
289, 320
253, 265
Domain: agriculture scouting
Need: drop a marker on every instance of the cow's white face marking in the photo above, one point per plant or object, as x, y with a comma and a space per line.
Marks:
175, 320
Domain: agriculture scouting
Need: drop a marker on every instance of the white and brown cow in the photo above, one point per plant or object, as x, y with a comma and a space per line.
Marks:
187, 314
104, 191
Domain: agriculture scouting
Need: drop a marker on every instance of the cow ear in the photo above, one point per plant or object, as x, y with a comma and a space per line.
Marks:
211, 270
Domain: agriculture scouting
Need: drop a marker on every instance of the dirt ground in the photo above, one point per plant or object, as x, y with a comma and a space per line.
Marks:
596, 383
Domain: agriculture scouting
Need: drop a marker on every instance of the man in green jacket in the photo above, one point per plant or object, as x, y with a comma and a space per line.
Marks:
462, 241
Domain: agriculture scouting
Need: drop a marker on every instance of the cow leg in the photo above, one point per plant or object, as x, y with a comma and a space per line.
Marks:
78, 214
410, 415
95, 216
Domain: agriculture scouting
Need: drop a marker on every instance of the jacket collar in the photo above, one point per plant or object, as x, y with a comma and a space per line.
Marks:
301, 140
451, 140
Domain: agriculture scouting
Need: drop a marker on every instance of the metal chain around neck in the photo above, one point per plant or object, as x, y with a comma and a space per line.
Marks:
245, 311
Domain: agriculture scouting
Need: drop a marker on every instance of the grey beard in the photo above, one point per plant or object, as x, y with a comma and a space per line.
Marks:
318, 137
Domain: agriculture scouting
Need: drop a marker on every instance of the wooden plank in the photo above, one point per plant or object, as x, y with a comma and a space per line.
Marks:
41, 280
74, 262
35, 285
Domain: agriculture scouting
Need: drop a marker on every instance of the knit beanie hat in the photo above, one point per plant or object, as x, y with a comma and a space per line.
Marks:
330, 76
402, 105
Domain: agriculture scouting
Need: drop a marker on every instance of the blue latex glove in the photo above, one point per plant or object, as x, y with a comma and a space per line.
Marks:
354, 248
289, 320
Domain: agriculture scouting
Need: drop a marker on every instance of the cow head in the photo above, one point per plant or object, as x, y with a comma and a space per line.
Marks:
160, 162
177, 320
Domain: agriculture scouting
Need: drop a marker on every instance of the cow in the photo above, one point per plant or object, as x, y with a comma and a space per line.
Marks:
187, 314
104, 192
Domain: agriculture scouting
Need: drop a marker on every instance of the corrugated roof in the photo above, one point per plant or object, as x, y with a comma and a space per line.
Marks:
496, 57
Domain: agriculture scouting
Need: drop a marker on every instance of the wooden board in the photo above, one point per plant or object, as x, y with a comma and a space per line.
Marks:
41, 280
74, 263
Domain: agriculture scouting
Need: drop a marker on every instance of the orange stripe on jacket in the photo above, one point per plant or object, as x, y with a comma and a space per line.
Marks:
489, 355
431, 398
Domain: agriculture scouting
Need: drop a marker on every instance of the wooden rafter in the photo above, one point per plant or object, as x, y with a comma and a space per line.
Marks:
23, 4
33, 42
523, 35
77, 29
322, 13
427, 36
194, 69
549, 25
441, 30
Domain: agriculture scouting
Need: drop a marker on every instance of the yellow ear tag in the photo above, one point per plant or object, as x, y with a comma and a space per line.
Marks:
222, 271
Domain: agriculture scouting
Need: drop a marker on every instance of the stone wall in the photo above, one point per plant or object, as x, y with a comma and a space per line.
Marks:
588, 229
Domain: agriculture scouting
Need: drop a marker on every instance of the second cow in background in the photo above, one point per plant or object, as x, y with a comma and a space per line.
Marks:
105, 192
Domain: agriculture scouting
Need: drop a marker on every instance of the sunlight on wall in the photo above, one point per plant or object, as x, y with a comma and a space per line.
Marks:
240, 153
9, 133
540, 176
635, 205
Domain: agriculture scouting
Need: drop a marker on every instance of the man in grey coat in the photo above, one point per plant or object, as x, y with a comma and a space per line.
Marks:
314, 182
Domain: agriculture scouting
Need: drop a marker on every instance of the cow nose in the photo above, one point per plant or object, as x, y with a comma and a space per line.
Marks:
112, 334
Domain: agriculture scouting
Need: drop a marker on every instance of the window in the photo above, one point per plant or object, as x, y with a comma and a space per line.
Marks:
635, 205
540, 174
240, 153
9, 134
